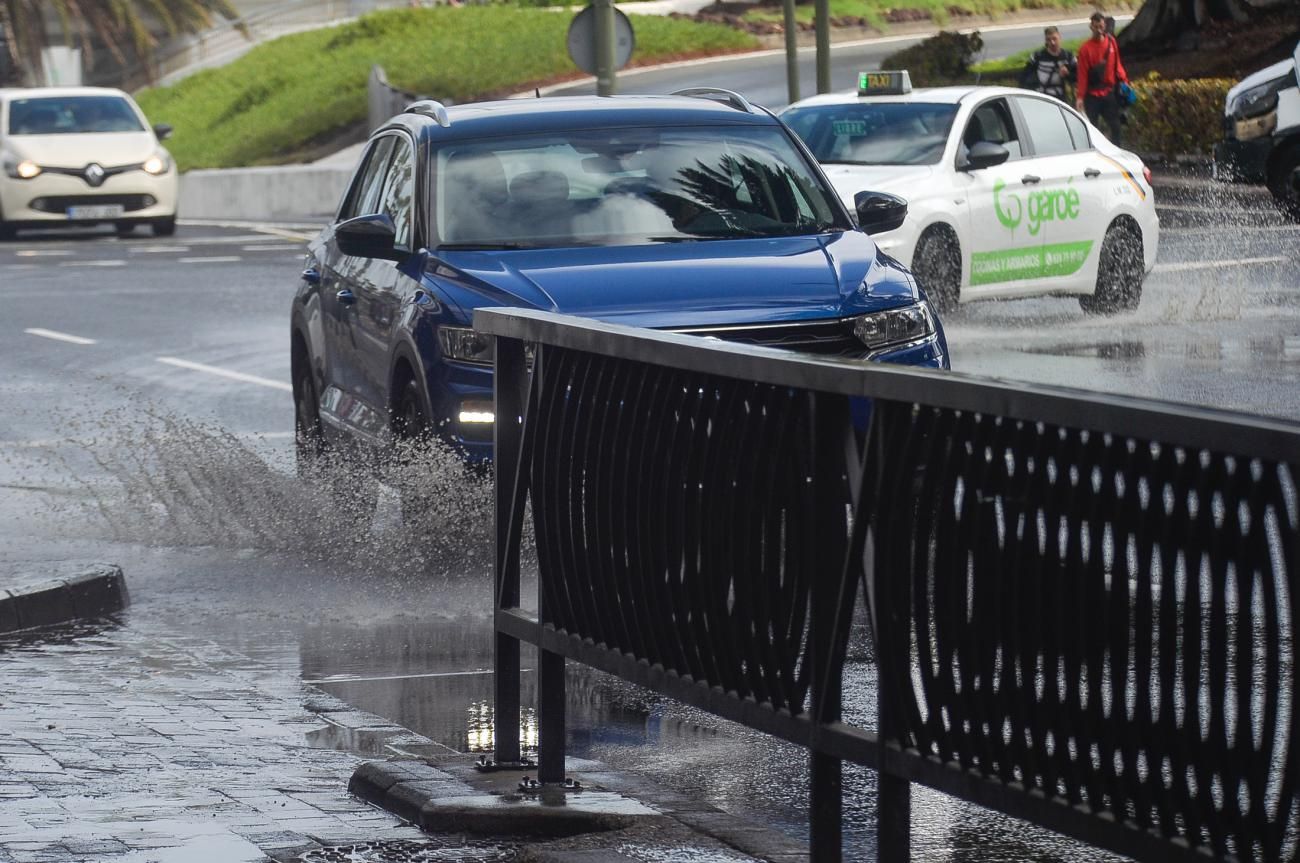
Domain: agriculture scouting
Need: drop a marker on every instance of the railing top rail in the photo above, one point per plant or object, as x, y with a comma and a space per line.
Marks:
1183, 425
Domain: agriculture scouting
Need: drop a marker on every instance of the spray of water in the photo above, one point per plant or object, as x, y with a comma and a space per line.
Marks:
140, 473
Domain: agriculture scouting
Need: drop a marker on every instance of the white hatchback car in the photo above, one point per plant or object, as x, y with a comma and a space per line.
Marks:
82, 156
1010, 193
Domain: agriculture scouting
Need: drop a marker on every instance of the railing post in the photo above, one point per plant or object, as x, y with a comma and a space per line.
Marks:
550, 720
509, 385
830, 424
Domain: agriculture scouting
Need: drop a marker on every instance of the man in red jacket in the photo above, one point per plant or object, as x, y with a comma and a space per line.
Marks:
1100, 71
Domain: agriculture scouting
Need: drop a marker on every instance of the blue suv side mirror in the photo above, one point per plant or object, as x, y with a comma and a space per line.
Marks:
369, 237
879, 212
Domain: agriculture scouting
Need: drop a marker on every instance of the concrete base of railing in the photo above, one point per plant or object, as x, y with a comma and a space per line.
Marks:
263, 193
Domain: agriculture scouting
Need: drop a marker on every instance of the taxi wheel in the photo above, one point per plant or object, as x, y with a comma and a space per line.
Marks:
7, 232
1284, 181
413, 433
124, 229
1120, 271
164, 227
937, 267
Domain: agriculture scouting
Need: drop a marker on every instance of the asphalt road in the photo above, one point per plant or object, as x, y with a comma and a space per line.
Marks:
148, 422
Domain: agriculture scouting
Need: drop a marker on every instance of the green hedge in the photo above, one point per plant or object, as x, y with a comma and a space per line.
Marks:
279, 99
1175, 117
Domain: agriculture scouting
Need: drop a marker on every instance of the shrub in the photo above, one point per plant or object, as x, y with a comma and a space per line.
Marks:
286, 96
944, 58
1178, 116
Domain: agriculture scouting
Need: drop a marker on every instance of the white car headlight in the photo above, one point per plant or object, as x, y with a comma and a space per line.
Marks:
895, 326
25, 169
466, 345
156, 164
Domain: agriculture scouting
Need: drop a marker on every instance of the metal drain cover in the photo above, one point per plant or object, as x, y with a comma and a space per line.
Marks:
436, 849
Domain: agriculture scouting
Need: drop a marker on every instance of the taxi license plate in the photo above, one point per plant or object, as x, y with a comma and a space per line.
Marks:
97, 211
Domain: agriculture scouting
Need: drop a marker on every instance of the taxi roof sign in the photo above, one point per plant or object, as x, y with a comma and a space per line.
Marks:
893, 82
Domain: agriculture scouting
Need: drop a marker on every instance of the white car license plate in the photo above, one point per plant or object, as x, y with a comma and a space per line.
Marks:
97, 211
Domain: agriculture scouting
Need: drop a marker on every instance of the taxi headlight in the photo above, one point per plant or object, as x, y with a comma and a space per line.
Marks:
466, 345
894, 326
24, 170
156, 164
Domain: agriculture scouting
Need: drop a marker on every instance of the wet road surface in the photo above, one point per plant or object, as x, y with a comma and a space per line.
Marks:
148, 423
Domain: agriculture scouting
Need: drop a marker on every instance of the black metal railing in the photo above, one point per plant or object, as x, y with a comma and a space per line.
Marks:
1082, 605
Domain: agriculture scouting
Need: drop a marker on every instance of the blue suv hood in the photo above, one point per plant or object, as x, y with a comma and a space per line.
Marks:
678, 284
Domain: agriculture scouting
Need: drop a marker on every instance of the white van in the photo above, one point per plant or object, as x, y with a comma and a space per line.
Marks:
1261, 133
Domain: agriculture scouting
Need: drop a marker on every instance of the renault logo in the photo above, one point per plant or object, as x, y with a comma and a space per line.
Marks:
94, 174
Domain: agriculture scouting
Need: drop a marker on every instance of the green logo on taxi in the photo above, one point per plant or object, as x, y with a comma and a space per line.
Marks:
1047, 205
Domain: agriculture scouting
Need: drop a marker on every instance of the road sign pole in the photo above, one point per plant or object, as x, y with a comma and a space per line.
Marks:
606, 64
791, 51
823, 12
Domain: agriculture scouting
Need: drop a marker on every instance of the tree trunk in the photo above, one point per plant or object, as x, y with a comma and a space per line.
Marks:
1160, 23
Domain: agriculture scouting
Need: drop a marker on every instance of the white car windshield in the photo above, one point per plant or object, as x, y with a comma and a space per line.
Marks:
69, 115
628, 186
874, 133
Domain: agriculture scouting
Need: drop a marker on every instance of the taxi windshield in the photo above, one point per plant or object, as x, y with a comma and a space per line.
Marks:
874, 133
69, 115
628, 186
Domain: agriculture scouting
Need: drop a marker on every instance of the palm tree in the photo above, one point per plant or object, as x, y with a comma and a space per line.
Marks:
125, 27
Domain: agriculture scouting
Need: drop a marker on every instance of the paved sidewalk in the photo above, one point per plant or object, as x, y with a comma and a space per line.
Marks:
132, 738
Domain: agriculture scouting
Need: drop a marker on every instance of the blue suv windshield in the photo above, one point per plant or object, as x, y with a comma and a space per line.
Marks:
627, 186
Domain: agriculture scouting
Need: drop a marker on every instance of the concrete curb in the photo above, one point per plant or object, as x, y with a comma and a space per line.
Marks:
96, 591
448, 795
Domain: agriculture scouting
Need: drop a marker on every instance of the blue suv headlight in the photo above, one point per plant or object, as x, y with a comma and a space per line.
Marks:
465, 345
895, 326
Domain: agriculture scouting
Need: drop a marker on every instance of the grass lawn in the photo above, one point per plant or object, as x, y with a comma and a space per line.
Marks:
273, 103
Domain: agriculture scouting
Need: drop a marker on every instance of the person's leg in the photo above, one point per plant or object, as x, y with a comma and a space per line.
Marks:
1111, 110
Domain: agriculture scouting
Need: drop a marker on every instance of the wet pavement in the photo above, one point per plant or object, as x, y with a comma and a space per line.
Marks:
254, 603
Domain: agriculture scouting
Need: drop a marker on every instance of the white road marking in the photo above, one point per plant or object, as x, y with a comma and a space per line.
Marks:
253, 225
226, 373
42, 253
277, 247
110, 263
210, 259
287, 234
1218, 231
1218, 265
157, 250
59, 337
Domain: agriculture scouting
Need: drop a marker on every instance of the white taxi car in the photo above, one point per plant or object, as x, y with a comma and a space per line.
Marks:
1010, 193
82, 156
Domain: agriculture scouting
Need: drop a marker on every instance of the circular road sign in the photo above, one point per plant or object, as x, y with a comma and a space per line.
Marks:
582, 39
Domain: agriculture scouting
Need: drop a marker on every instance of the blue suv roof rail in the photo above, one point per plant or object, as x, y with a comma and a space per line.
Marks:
430, 108
718, 94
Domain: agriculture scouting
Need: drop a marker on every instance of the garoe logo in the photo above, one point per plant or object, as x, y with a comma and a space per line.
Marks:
1048, 205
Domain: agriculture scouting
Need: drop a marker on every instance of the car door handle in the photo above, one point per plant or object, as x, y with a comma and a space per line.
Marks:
346, 297
1091, 172
311, 276
1029, 179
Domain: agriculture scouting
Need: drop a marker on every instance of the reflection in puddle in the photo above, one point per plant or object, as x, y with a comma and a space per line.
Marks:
640, 732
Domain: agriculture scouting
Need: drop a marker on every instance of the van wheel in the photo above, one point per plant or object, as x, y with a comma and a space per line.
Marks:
936, 264
7, 232
1284, 181
164, 227
124, 229
1120, 272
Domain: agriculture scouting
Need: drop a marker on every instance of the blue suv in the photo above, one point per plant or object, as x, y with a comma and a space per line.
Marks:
696, 213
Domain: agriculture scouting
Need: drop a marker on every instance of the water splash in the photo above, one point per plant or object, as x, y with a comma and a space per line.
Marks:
140, 473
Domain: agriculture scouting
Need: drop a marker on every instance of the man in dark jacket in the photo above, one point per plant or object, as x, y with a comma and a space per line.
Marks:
1050, 67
